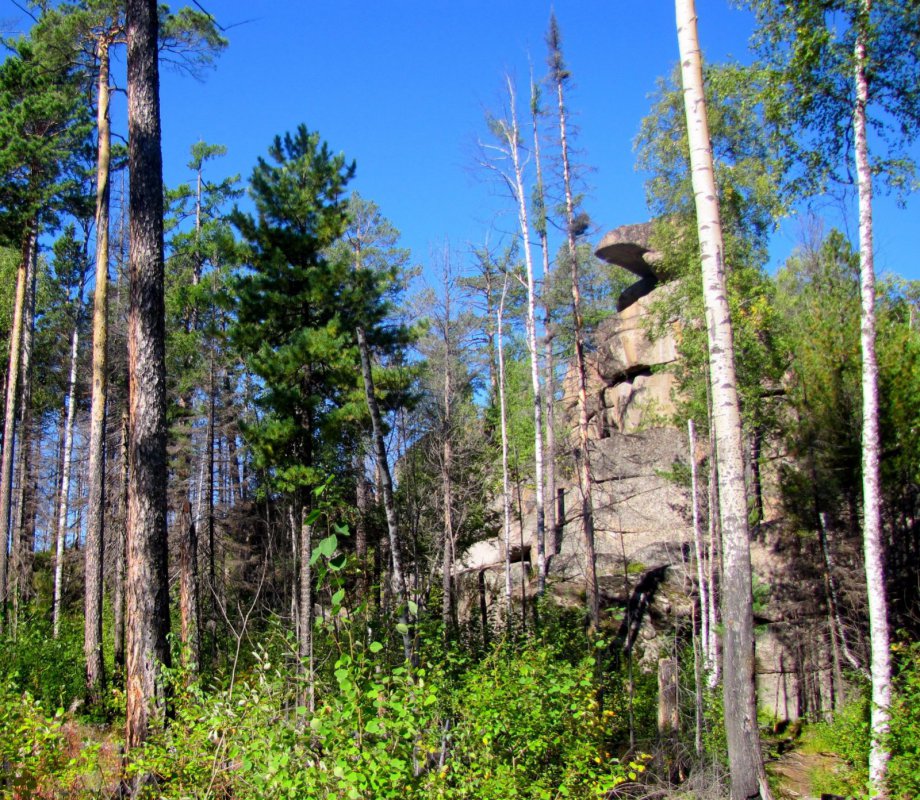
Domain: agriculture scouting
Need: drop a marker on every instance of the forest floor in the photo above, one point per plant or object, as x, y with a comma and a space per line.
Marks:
794, 773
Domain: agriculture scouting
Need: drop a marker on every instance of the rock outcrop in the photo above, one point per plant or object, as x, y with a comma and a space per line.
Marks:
643, 519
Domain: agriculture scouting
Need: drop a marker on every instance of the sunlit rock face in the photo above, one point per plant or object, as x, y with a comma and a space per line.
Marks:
644, 538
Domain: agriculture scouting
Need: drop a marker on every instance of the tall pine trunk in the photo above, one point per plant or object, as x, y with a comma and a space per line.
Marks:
873, 547
147, 587
92, 629
506, 481
748, 778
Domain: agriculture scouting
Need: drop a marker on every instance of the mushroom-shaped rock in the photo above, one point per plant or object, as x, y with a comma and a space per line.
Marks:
628, 247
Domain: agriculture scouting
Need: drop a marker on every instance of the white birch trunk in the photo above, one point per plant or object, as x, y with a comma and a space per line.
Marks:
512, 137
63, 504
879, 636
748, 778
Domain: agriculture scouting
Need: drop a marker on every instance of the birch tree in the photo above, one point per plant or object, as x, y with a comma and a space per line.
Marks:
748, 778
509, 150
838, 69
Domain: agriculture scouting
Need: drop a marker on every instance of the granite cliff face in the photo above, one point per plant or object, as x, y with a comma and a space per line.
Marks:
643, 517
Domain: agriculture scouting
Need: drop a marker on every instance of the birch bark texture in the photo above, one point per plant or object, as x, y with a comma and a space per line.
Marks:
873, 548
748, 778
147, 591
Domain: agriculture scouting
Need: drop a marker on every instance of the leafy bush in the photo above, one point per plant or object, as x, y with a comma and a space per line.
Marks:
523, 723
904, 770
41, 756
51, 670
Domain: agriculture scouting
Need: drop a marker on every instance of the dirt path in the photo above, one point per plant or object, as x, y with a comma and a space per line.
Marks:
794, 771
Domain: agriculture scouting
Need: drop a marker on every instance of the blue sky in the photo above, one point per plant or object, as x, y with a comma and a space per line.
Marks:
401, 87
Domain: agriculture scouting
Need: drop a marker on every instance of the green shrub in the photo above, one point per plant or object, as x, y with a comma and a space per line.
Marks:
41, 756
51, 670
904, 741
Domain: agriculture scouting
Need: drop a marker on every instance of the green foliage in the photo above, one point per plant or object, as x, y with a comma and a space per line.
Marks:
40, 755
904, 741
525, 722
48, 669
848, 737
808, 51
748, 179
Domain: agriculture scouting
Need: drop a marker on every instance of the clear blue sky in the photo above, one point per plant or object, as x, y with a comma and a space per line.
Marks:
401, 87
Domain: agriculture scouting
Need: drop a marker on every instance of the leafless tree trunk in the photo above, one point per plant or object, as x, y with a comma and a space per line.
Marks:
748, 778
553, 522
63, 502
190, 631
120, 543
510, 133
92, 629
560, 77
386, 484
703, 586
9, 420
21, 550
305, 609
873, 546
506, 484
147, 584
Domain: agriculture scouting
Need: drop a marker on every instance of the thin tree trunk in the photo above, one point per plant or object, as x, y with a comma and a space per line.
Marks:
748, 778
386, 484
838, 630
18, 548
512, 139
305, 609
702, 584
190, 631
362, 506
715, 557
121, 554
582, 452
552, 521
9, 421
147, 578
506, 483
63, 501
92, 629
873, 547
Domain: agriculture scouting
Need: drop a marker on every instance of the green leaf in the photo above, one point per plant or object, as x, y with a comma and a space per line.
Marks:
413, 608
325, 548
402, 628
338, 597
375, 647
337, 563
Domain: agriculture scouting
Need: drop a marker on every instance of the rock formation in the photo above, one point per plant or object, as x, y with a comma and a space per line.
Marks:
644, 535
